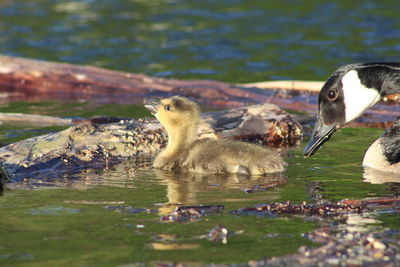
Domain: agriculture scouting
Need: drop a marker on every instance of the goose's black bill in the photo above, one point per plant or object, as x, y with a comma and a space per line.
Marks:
152, 104
321, 134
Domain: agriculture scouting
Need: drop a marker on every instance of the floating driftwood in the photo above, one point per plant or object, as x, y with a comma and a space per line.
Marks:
27, 79
341, 208
97, 145
22, 78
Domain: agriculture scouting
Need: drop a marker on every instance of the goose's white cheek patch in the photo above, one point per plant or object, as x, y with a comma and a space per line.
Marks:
357, 97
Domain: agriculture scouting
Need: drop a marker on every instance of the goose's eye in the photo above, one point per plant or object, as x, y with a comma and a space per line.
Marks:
168, 107
332, 95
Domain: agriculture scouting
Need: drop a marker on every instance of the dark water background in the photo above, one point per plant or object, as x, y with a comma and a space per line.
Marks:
228, 40
233, 41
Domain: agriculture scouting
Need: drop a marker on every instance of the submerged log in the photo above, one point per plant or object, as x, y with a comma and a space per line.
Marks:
22, 78
98, 145
27, 79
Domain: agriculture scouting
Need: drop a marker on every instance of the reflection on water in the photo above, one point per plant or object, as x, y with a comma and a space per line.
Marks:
170, 242
52, 210
115, 175
377, 177
184, 188
181, 188
360, 222
173, 246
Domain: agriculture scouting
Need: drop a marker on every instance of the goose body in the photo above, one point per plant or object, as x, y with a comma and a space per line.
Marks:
184, 153
384, 153
347, 93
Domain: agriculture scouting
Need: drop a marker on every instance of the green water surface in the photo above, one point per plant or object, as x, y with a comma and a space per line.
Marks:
90, 219
228, 40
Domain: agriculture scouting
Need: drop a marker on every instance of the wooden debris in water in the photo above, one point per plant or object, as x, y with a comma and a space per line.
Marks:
343, 248
322, 209
190, 213
288, 208
95, 145
27, 79
372, 202
219, 234
264, 187
22, 79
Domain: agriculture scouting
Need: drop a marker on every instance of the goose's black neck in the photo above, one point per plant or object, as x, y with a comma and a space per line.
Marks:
384, 77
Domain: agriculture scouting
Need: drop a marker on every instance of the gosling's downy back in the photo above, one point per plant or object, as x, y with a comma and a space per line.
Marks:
229, 156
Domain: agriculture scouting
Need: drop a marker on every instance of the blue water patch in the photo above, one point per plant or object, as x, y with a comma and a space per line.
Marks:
128, 209
52, 210
21, 256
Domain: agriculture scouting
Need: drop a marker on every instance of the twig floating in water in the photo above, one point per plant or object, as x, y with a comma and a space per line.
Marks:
264, 187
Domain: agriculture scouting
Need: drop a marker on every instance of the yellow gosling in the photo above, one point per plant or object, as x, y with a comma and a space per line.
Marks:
184, 153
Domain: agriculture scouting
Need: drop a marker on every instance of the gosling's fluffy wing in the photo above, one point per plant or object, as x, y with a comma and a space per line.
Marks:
228, 156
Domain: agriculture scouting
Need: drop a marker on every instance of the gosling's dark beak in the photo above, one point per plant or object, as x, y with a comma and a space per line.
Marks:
321, 134
152, 104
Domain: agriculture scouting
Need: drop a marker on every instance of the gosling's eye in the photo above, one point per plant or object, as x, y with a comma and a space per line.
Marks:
168, 107
333, 95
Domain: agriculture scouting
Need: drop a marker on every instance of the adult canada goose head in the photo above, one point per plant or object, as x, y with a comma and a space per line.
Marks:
347, 93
